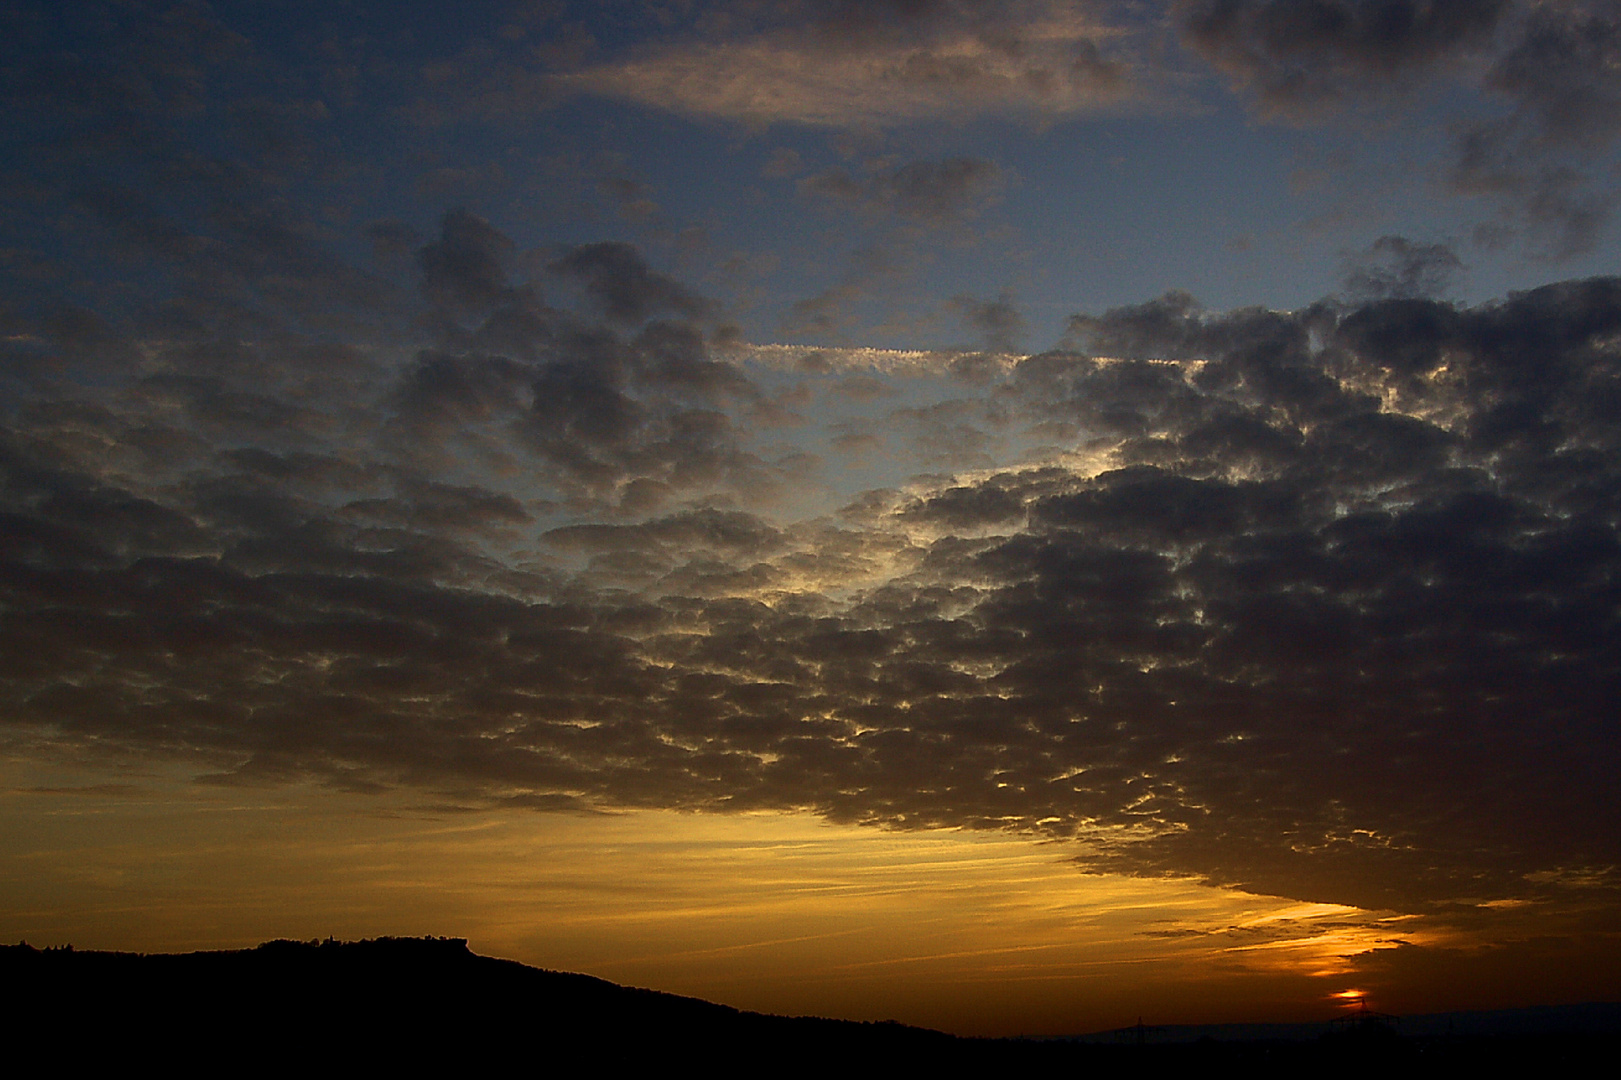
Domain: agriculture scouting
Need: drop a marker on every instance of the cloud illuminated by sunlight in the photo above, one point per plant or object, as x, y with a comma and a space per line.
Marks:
1042, 58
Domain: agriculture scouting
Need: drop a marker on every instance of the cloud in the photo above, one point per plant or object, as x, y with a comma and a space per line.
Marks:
615, 275
1544, 160
884, 64
1317, 603
618, 408
824, 313
1563, 71
1546, 106
1296, 58
466, 268
911, 200
1395, 267
997, 321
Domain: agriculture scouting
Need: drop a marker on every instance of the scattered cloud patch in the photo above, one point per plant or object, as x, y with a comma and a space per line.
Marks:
886, 64
1395, 267
1297, 58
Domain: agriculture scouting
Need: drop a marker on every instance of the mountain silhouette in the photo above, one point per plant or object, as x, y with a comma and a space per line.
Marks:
406, 1001
418, 1003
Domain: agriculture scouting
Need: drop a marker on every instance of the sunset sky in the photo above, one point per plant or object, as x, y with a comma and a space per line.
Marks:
1010, 516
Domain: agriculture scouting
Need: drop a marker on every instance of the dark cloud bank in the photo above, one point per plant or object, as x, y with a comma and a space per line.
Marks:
1332, 612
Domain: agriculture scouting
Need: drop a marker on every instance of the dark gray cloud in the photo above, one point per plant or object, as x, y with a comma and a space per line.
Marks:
615, 275
910, 200
466, 268
1553, 200
1295, 56
1394, 267
871, 269
1564, 71
997, 322
1538, 141
1332, 614
1001, 501
632, 403
1545, 160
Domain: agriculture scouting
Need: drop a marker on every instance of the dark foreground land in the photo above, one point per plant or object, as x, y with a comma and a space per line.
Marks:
430, 1003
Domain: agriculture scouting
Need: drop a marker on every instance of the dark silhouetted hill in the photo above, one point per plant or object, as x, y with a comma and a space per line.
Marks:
430, 1003
404, 1001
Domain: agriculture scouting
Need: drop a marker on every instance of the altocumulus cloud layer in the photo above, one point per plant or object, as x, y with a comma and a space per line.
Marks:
1322, 603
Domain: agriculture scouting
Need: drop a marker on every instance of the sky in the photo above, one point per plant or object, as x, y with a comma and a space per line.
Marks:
1015, 516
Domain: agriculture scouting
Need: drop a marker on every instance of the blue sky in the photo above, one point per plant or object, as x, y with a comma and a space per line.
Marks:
1202, 168
1185, 177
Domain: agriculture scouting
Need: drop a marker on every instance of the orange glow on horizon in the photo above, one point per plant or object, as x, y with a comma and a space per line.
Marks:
975, 933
